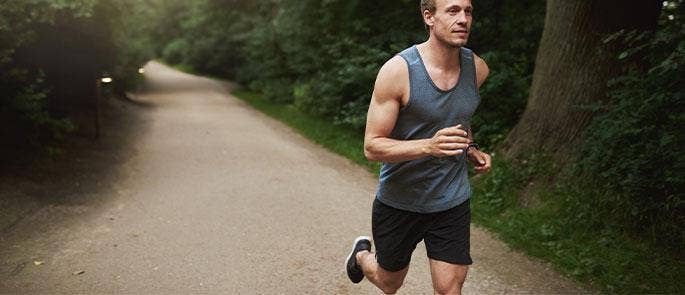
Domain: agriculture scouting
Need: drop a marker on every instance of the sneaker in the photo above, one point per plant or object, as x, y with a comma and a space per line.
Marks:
354, 272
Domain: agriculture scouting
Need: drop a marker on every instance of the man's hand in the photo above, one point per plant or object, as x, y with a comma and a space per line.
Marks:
480, 160
450, 141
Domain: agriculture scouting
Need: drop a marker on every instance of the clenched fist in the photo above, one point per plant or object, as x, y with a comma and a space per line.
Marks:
450, 141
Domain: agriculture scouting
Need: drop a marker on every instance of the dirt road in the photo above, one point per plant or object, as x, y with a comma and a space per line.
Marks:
210, 196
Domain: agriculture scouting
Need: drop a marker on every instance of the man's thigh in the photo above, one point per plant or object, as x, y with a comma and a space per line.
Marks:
395, 234
448, 238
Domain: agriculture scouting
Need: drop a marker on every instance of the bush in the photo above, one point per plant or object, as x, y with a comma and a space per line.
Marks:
51, 54
323, 56
176, 52
633, 154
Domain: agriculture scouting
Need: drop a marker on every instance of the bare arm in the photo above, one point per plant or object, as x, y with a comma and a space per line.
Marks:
391, 88
480, 160
482, 70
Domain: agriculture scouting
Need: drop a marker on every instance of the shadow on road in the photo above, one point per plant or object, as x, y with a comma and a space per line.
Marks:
31, 180
84, 169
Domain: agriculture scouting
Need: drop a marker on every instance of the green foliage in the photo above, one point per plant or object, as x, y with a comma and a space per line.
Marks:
208, 35
602, 256
31, 105
51, 53
634, 154
323, 56
307, 48
176, 51
503, 96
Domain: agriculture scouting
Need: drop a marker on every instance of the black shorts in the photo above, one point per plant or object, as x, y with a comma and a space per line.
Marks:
397, 232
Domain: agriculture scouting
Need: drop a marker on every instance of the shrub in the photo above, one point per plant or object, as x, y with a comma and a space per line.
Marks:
52, 52
633, 154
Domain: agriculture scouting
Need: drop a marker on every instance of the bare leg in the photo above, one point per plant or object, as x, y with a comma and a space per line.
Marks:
388, 282
448, 278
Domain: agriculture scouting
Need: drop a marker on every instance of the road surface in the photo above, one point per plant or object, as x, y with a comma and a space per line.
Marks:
206, 195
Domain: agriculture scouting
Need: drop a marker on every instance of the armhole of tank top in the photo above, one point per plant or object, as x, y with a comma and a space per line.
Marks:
472, 56
475, 75
473, 66
409, 98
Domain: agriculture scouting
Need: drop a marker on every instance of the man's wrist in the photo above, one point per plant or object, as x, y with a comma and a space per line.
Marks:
425, 147
471, 145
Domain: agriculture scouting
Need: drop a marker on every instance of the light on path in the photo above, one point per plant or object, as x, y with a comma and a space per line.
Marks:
106, 80
141, 71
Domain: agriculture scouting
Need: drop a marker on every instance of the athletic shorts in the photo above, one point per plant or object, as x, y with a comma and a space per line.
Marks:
397, 232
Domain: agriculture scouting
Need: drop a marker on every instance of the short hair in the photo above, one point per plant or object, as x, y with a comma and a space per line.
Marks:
428, 5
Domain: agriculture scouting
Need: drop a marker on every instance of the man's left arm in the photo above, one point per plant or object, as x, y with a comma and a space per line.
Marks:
480, 160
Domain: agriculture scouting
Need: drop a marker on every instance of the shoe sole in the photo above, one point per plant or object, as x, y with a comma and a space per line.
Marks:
347, 261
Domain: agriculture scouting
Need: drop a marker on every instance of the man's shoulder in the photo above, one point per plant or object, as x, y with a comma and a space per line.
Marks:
389, 83
482, 69
394, 67
401, 60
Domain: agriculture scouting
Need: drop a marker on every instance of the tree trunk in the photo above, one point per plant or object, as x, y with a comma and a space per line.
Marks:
571, 71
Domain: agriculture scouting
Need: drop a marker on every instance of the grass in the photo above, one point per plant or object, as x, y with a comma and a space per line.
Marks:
600, 256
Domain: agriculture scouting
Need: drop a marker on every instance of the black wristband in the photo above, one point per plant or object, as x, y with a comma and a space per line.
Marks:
474, 145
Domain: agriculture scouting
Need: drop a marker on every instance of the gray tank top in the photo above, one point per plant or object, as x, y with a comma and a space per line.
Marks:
430, 184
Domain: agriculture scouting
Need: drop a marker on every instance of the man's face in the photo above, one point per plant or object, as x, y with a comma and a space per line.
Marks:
451, 22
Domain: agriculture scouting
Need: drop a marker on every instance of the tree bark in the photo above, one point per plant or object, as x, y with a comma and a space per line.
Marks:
571, 71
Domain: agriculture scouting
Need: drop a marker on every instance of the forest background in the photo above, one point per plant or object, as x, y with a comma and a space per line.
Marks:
603, 202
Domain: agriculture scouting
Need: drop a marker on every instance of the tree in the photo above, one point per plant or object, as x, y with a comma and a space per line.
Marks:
52, 52
572, 69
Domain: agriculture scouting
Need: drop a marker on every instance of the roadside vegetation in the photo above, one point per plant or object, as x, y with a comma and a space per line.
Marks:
51, 55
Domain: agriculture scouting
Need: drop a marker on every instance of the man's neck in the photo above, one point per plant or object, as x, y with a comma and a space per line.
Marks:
441, 55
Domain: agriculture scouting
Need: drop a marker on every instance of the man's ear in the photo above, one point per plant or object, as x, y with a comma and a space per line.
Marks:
428, 18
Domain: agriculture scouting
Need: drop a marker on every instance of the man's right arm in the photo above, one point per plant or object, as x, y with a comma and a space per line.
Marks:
391, 88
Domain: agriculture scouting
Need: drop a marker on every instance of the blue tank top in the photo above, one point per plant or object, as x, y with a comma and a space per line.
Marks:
430, 184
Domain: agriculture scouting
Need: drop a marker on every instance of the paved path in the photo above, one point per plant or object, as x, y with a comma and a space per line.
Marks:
213, 197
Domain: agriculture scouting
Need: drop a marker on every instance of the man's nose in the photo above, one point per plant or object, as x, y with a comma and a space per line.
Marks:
461, 18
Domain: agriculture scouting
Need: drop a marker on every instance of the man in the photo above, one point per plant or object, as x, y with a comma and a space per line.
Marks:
418, 126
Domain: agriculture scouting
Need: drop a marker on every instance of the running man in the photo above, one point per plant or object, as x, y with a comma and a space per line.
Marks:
418, 126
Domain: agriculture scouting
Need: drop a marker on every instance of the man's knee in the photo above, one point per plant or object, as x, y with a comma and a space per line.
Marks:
390, 286
448, 289
390, 282
449, 286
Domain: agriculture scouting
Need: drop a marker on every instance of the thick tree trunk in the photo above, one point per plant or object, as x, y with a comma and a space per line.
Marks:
571, 71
